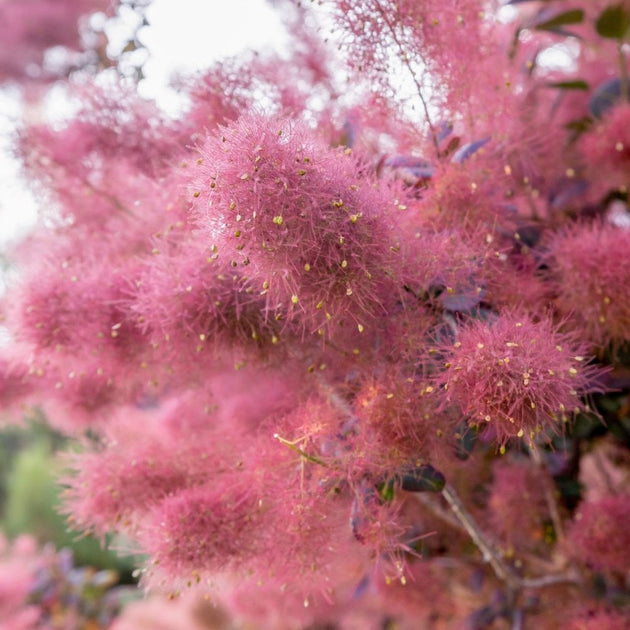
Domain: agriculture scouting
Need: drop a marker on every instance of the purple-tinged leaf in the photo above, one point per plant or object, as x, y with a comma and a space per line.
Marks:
465, 440
470, 148
462, 301
361, 587
605, 97
423, 478
571, 192
444, 130
350, 131
481, 618
417, 167
550, 19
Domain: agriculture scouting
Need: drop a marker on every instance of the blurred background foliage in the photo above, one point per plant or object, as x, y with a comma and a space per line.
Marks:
30, 496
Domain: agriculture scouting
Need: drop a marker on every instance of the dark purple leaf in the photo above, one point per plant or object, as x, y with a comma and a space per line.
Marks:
465, 440
464, 152
423, 478
444, 130
462, 301
418, 167
571, 192
604, 97
361, 587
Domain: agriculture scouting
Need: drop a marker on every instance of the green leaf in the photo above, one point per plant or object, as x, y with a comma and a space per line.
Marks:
423, 478
580, 125
386, 492
613, 22
572, 16
576, 84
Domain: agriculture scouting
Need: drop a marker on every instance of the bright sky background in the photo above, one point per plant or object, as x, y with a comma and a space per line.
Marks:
183, 36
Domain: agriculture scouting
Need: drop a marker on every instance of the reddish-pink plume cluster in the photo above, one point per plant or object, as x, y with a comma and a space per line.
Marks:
595, 536
276, 332
588, 264
29, 28
516, 376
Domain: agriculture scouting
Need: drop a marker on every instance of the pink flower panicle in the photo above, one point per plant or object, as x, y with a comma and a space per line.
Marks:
317, 235
15, 386
607, 149
28, 29
433, 38
516, 376
589, 266
453, 268
133, 470
72, 308
599, 534
188, 300
517, 483
399, 413
599, 619
113, 124
275, 339
19, 563
202, 530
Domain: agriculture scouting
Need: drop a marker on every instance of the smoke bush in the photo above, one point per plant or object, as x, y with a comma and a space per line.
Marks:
345, 347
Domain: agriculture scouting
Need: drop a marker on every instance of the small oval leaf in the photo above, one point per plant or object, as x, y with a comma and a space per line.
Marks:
550, 20
575, 84
463, 301
468, 149
604, 97
465, 441
423, 478
613, 22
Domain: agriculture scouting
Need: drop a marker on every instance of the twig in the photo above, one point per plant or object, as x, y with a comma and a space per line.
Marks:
552, 504
427, 500
518, 619
301, 452
503, 571
414, 76
460, 519
623, 73
437, 510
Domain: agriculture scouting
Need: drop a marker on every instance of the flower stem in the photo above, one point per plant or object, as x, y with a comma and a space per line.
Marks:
503, 571
414, 76
490, 555
552, 504
623, 73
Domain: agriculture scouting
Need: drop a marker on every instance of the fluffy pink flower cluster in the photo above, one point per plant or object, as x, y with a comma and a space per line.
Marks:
516, 482
607, 146
595, 536
590, 268
327, 289
30, 27
276, 344
19, 562
297, 219
516, 376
